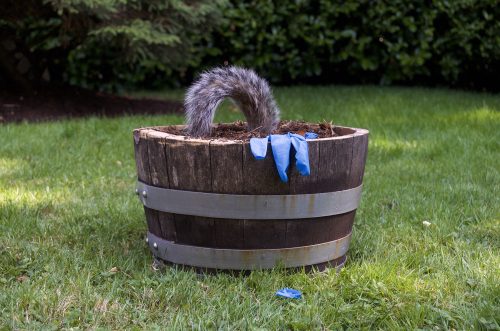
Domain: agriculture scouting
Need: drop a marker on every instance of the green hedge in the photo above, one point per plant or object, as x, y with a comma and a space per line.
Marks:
121, 44
455, 43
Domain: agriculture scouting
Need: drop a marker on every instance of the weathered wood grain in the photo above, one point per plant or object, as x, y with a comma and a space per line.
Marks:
226, 163
141, 155
306, 184
189, 169
159, 177
265, 234
226, 159
261, 176
167, 225
302, 232
189, 164
359, 151
144, 175
157, 159
195, 230
335, 156
229, 233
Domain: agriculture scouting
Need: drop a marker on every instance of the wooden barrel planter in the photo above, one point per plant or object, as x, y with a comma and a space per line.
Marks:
210, 204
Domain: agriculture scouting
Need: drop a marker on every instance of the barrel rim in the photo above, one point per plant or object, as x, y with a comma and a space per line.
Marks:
155, 132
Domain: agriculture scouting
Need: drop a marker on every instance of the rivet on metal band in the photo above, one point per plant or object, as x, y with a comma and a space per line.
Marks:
238, 206
247, 259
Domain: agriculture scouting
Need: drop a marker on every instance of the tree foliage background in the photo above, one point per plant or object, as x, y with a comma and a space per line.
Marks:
104, 44
119, 44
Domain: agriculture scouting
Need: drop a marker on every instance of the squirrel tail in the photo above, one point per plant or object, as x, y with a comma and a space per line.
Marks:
248, 91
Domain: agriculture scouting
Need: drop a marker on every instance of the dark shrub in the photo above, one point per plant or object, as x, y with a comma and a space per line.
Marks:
455, 43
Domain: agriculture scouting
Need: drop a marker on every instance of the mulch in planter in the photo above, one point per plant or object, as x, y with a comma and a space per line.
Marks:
238, 130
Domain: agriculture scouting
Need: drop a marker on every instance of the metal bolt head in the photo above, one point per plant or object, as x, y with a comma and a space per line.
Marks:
144, 194
137, 191
147, 240
155, 245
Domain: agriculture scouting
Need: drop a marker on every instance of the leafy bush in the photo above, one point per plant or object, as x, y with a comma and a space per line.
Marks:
403, 41
118, 44
104, 44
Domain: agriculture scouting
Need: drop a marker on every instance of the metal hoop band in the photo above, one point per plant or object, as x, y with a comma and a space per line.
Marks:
247, 259
236, 206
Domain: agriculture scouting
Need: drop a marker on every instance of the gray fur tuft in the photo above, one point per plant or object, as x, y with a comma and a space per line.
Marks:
248, 91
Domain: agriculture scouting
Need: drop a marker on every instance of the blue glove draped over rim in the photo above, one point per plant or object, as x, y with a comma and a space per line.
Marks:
281, 145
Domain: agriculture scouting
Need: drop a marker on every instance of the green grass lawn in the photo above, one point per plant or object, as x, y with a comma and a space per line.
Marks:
68, 216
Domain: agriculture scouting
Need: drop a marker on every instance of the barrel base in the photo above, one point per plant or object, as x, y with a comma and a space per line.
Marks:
337, 265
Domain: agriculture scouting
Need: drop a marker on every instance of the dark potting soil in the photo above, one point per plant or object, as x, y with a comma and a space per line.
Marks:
238, 130
51, 103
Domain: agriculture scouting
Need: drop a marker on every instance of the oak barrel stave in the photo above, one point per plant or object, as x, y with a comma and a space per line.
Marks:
144, 175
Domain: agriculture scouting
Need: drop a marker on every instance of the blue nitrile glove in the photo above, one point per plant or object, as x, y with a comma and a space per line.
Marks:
289, 293
311, 135
301, 154
258, 146
280, 144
